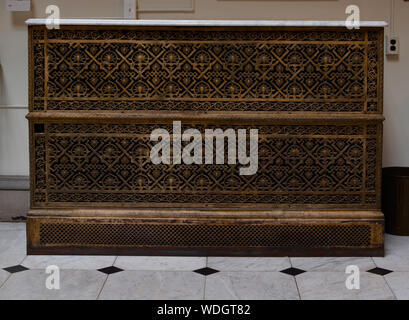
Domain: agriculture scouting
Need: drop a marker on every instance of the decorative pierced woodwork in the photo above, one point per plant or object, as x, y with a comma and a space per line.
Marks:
207, 70
96, 94
105, 164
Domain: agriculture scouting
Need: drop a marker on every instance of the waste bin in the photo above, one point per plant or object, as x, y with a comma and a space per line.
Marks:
395, 200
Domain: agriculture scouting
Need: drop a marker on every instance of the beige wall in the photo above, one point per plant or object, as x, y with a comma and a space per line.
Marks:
13, 58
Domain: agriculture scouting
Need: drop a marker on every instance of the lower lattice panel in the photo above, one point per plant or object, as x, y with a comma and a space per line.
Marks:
158, 235
133, 236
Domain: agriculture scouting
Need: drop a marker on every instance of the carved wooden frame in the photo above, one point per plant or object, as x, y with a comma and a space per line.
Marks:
319, 115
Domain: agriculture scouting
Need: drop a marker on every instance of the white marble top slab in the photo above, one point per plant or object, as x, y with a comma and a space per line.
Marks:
217, 23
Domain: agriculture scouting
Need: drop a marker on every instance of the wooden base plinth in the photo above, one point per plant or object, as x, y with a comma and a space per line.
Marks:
205, 233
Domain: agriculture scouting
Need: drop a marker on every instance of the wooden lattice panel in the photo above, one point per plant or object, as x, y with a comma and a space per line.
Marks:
109, 164
207, 70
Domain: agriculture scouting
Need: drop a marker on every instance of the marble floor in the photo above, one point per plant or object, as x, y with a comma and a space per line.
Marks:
196, 278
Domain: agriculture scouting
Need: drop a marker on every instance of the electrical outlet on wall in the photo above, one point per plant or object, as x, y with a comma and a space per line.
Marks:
130, 9
392, 45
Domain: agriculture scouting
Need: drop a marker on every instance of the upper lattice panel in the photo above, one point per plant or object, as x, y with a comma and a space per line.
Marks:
202, 69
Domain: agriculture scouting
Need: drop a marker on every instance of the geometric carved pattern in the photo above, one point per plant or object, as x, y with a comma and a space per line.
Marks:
110, 163
211, 71
207, 70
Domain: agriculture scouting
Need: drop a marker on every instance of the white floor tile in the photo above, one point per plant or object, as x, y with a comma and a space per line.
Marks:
248, 264
3, 276
393, 262
69, 262
331, 264
12, 248
146, 285
331, 286
250, 286
12, 226
74, 284
161, 263
399, 283
396, 254
396, 244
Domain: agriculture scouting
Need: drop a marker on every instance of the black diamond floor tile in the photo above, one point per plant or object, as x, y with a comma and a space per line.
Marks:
292, 271
15, 269
110, 270
380, 271
19, 218
206, 271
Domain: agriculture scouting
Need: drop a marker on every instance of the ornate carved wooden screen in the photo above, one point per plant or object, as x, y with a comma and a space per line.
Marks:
97, 93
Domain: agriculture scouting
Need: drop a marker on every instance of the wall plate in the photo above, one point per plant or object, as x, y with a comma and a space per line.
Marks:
18, 5
392, 45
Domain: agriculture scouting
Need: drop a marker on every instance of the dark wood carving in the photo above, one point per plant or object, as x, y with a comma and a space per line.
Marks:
315, 95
